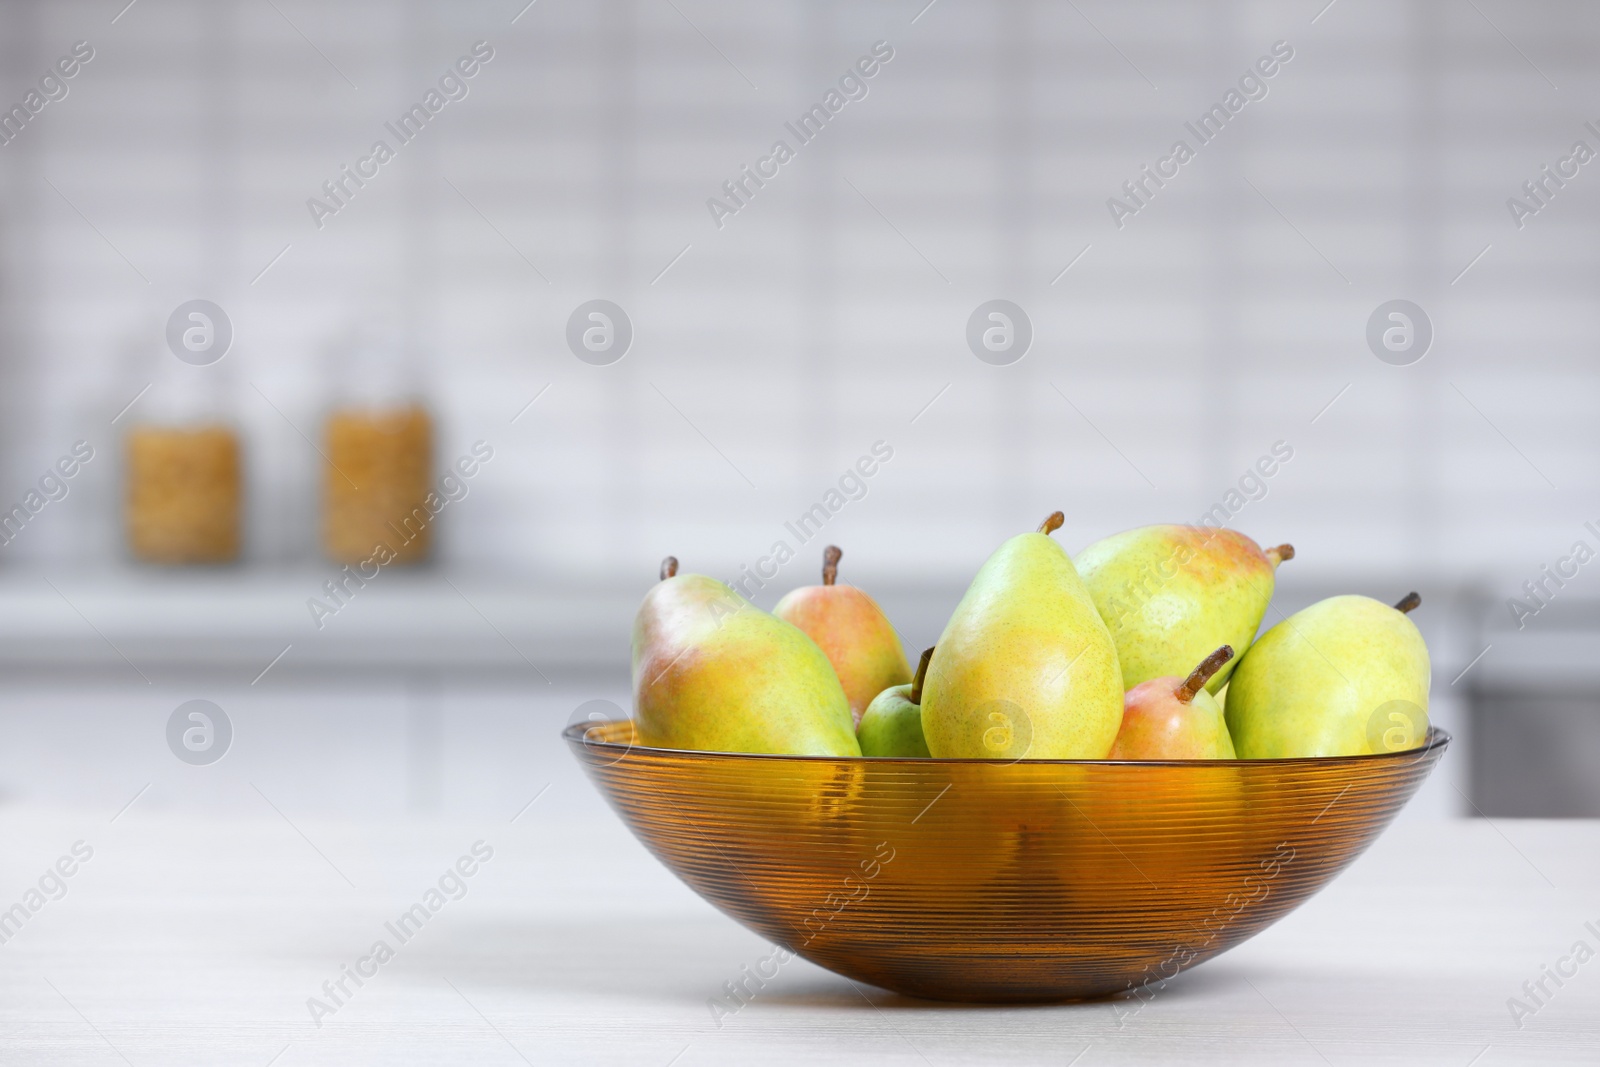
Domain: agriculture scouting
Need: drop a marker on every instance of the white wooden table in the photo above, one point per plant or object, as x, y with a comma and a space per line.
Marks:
186, 940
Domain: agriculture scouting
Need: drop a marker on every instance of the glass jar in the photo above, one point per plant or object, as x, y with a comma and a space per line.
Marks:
380, 462
183, 470
378, 440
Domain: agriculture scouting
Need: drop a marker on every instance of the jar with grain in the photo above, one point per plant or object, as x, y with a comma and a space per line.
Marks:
183, 471
378, 444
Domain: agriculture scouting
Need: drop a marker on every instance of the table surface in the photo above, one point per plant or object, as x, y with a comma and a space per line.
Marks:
186, 939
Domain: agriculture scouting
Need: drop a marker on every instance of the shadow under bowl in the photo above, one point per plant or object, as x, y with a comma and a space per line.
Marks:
979, 880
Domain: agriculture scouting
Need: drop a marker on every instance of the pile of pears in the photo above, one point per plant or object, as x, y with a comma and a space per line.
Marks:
1145, 647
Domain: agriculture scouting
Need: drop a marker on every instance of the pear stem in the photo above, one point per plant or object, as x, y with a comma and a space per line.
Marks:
1052, 523
922, 672
669, 567
1408, 603
1278, 553
830, 564
1202, 674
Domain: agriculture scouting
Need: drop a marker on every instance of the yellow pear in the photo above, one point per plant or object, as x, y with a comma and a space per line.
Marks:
1347, 676
711, 671
1025, 668
1171, 594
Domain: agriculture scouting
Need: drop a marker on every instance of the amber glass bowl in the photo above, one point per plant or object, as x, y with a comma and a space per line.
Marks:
987, 881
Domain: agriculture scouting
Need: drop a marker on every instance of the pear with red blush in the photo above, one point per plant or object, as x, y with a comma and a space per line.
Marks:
1175, 718
852, 631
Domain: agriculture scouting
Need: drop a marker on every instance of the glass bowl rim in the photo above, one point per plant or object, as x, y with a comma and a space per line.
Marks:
1438, 738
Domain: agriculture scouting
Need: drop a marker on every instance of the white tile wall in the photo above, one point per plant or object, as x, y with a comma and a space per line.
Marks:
830, 311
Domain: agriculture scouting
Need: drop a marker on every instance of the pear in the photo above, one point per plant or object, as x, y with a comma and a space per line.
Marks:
713, 672
1347, 676
1175, 718
892, 725
852, 631
1025, 668
1171, 594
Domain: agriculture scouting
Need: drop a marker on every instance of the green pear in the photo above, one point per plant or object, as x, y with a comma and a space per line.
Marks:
852, 630
1345, 677
1175, 718
892, 723
1171, 594
1025, 668
713, 672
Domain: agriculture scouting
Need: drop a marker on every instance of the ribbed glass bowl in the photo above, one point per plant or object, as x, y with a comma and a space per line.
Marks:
986, 881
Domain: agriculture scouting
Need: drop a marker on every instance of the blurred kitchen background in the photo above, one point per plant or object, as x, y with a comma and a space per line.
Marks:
775, 342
